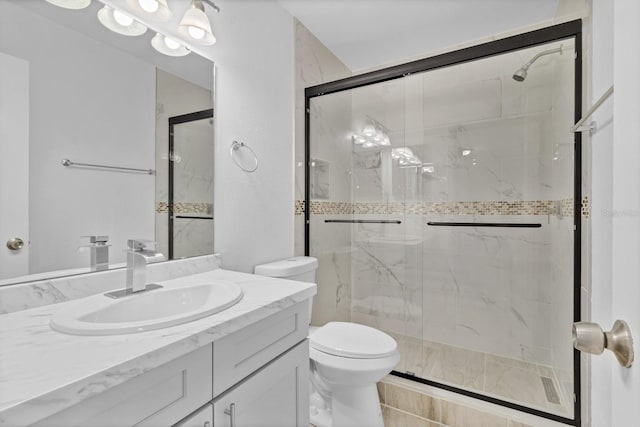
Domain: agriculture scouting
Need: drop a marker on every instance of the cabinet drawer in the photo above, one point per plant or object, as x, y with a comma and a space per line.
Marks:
241, 353
160, 397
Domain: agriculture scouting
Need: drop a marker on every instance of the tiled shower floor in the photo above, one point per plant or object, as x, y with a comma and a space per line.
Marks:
512, 380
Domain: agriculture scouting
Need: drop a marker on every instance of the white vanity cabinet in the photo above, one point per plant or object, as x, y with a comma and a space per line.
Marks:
275, 396
259, 374
203, 417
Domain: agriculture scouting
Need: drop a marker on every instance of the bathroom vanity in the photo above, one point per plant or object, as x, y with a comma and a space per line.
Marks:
246, 365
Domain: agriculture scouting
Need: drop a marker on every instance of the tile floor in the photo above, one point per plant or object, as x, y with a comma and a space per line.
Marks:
512, 380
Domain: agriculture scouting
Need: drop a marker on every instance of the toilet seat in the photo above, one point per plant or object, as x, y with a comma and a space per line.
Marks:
352, 340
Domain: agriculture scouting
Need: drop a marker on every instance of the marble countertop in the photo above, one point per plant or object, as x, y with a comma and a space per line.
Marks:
43, 371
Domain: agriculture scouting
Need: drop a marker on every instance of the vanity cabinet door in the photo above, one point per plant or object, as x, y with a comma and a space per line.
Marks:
237, 355
160, 397
203, 417
277, 395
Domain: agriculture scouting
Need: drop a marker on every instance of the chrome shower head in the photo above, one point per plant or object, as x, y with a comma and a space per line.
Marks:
521, 74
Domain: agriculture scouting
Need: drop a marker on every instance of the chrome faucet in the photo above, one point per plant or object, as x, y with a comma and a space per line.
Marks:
137, 259
99, 252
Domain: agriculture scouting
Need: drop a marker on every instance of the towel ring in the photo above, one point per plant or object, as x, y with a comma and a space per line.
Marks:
244, 162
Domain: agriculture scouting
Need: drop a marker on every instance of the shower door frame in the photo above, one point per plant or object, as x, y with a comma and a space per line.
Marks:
509, 44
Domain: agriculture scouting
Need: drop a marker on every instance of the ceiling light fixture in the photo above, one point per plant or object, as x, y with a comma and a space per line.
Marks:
405, 157
195, 25
168, 46
70, 4
373, 135
119, 22
157, 10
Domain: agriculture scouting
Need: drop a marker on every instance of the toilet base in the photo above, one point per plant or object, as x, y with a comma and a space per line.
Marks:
350, 407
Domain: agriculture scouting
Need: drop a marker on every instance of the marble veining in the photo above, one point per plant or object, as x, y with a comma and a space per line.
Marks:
23, 296
78, 367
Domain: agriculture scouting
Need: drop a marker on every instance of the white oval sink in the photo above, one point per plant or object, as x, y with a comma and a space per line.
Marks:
156, 309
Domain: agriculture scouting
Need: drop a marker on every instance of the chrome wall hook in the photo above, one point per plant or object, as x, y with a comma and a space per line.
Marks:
589, 338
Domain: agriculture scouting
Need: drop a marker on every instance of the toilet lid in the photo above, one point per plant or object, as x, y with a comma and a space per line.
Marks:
352, 340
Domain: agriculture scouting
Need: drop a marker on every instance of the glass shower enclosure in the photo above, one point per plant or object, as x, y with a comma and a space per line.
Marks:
443, 203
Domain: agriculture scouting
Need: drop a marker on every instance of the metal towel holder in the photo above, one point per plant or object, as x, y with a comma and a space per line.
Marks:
236, 148
67, 162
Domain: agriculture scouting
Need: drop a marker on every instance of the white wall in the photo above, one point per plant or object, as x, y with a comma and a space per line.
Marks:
254, 103
95, 109
626, 200
615, 391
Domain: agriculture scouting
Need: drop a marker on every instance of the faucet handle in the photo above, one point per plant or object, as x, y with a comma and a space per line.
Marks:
98, 240
139, 244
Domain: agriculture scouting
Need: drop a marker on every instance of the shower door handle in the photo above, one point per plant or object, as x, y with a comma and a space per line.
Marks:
589, 338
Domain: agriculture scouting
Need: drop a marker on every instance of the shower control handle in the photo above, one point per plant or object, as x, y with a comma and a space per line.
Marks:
590, 338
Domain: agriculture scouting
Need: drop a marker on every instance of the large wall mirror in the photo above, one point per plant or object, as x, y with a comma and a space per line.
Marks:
72, 89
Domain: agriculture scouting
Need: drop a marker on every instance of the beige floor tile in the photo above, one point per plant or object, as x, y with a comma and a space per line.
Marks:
515, 384
459, 416
413, 402
460, 367
397, 418
521, 364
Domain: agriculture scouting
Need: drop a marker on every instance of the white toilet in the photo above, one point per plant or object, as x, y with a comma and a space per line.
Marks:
346, 360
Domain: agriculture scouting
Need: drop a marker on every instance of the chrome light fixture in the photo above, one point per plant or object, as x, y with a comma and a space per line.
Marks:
119, 22
157, 10
70, 4
168, 46
195, 25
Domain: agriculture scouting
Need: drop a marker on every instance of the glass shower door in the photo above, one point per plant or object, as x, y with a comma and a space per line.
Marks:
498, 234
365, 230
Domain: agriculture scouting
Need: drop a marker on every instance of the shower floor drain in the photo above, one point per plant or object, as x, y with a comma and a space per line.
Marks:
550, 390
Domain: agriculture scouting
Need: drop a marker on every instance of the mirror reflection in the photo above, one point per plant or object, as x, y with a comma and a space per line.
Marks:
71, 89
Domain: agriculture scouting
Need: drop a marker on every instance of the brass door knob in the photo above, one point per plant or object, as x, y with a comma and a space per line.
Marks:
15, 244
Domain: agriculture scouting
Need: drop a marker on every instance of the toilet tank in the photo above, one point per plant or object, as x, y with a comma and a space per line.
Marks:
302, 268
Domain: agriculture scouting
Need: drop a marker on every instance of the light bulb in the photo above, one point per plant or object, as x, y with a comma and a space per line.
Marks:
369, 130
428, 169
171, 43
149, 5
122, 19
196, 32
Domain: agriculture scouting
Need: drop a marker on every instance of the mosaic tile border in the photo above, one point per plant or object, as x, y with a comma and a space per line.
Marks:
186, 208
563, 208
